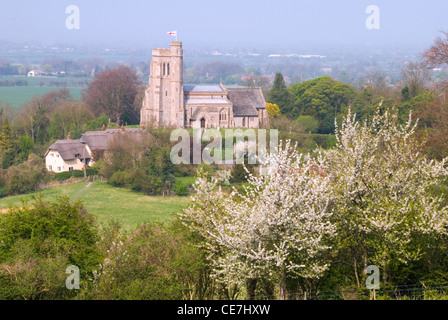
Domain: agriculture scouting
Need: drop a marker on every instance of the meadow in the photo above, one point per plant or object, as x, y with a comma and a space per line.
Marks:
16, 96
109, 203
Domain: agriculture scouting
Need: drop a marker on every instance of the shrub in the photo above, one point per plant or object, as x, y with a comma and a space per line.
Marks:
38, 242
120, 179
180, 188
26, 177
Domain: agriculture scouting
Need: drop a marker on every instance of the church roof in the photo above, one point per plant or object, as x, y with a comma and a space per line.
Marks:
100, 139
206, 101
203, 88
246, 102
68, 149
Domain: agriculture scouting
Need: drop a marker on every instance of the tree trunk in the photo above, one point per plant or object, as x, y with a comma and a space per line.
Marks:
283, 285
251, 287
356, 274
384, 272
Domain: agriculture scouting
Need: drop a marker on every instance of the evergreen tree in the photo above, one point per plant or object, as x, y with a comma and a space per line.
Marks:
6, 137
7, 151
280, 95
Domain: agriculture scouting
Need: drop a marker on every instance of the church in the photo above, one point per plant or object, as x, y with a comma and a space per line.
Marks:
170, 103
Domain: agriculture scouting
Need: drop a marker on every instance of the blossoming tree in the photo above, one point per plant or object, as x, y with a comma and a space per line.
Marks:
382, 186
279, 227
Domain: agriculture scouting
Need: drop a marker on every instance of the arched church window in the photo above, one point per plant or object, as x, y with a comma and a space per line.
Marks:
223, 115
168, 70
164, 69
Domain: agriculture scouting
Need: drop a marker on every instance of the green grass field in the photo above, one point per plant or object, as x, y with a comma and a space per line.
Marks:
106, 203
16, 96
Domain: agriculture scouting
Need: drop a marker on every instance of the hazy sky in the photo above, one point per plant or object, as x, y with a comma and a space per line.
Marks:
251, 23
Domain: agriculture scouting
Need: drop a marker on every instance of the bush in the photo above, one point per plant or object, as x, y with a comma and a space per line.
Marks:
309, 123
180, 188
155, 262
38, 242
120, 179
61, 176
26, 177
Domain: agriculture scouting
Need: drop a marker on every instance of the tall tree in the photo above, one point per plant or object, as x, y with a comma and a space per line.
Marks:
414, 77
280, 95
6, 146
113, 93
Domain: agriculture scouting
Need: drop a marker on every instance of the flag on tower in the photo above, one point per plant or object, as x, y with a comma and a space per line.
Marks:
172, 33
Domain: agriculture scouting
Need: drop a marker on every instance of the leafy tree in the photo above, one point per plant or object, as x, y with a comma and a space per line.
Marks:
272, 109
70, 116
26, 147
322, 98
34, 118
113, 93
280, 95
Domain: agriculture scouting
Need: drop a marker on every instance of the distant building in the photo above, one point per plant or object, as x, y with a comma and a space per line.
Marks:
168, 102
69, 155
36, 73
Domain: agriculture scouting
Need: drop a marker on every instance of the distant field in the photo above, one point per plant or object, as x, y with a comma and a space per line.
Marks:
16, 96
106, 203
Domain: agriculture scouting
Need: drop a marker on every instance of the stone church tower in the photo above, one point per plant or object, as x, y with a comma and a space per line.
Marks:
163, 104
170, 103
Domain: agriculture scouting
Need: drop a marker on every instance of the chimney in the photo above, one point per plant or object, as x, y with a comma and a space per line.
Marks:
122, 128
104, 127
69, 137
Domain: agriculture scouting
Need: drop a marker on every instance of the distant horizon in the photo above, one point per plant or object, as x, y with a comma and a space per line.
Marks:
280, 24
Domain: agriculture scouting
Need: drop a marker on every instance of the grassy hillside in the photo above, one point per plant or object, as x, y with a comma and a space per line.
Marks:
107, 203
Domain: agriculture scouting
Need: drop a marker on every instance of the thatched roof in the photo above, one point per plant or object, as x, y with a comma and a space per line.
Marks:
69, 149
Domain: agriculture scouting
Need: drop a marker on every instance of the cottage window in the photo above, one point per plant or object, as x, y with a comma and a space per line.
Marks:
59, 169
70, 168
50, 168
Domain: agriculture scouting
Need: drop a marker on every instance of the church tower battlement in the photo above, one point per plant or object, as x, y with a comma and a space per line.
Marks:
163, 104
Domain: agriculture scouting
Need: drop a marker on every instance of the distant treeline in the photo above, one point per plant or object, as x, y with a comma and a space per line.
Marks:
13, 83
8, 69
